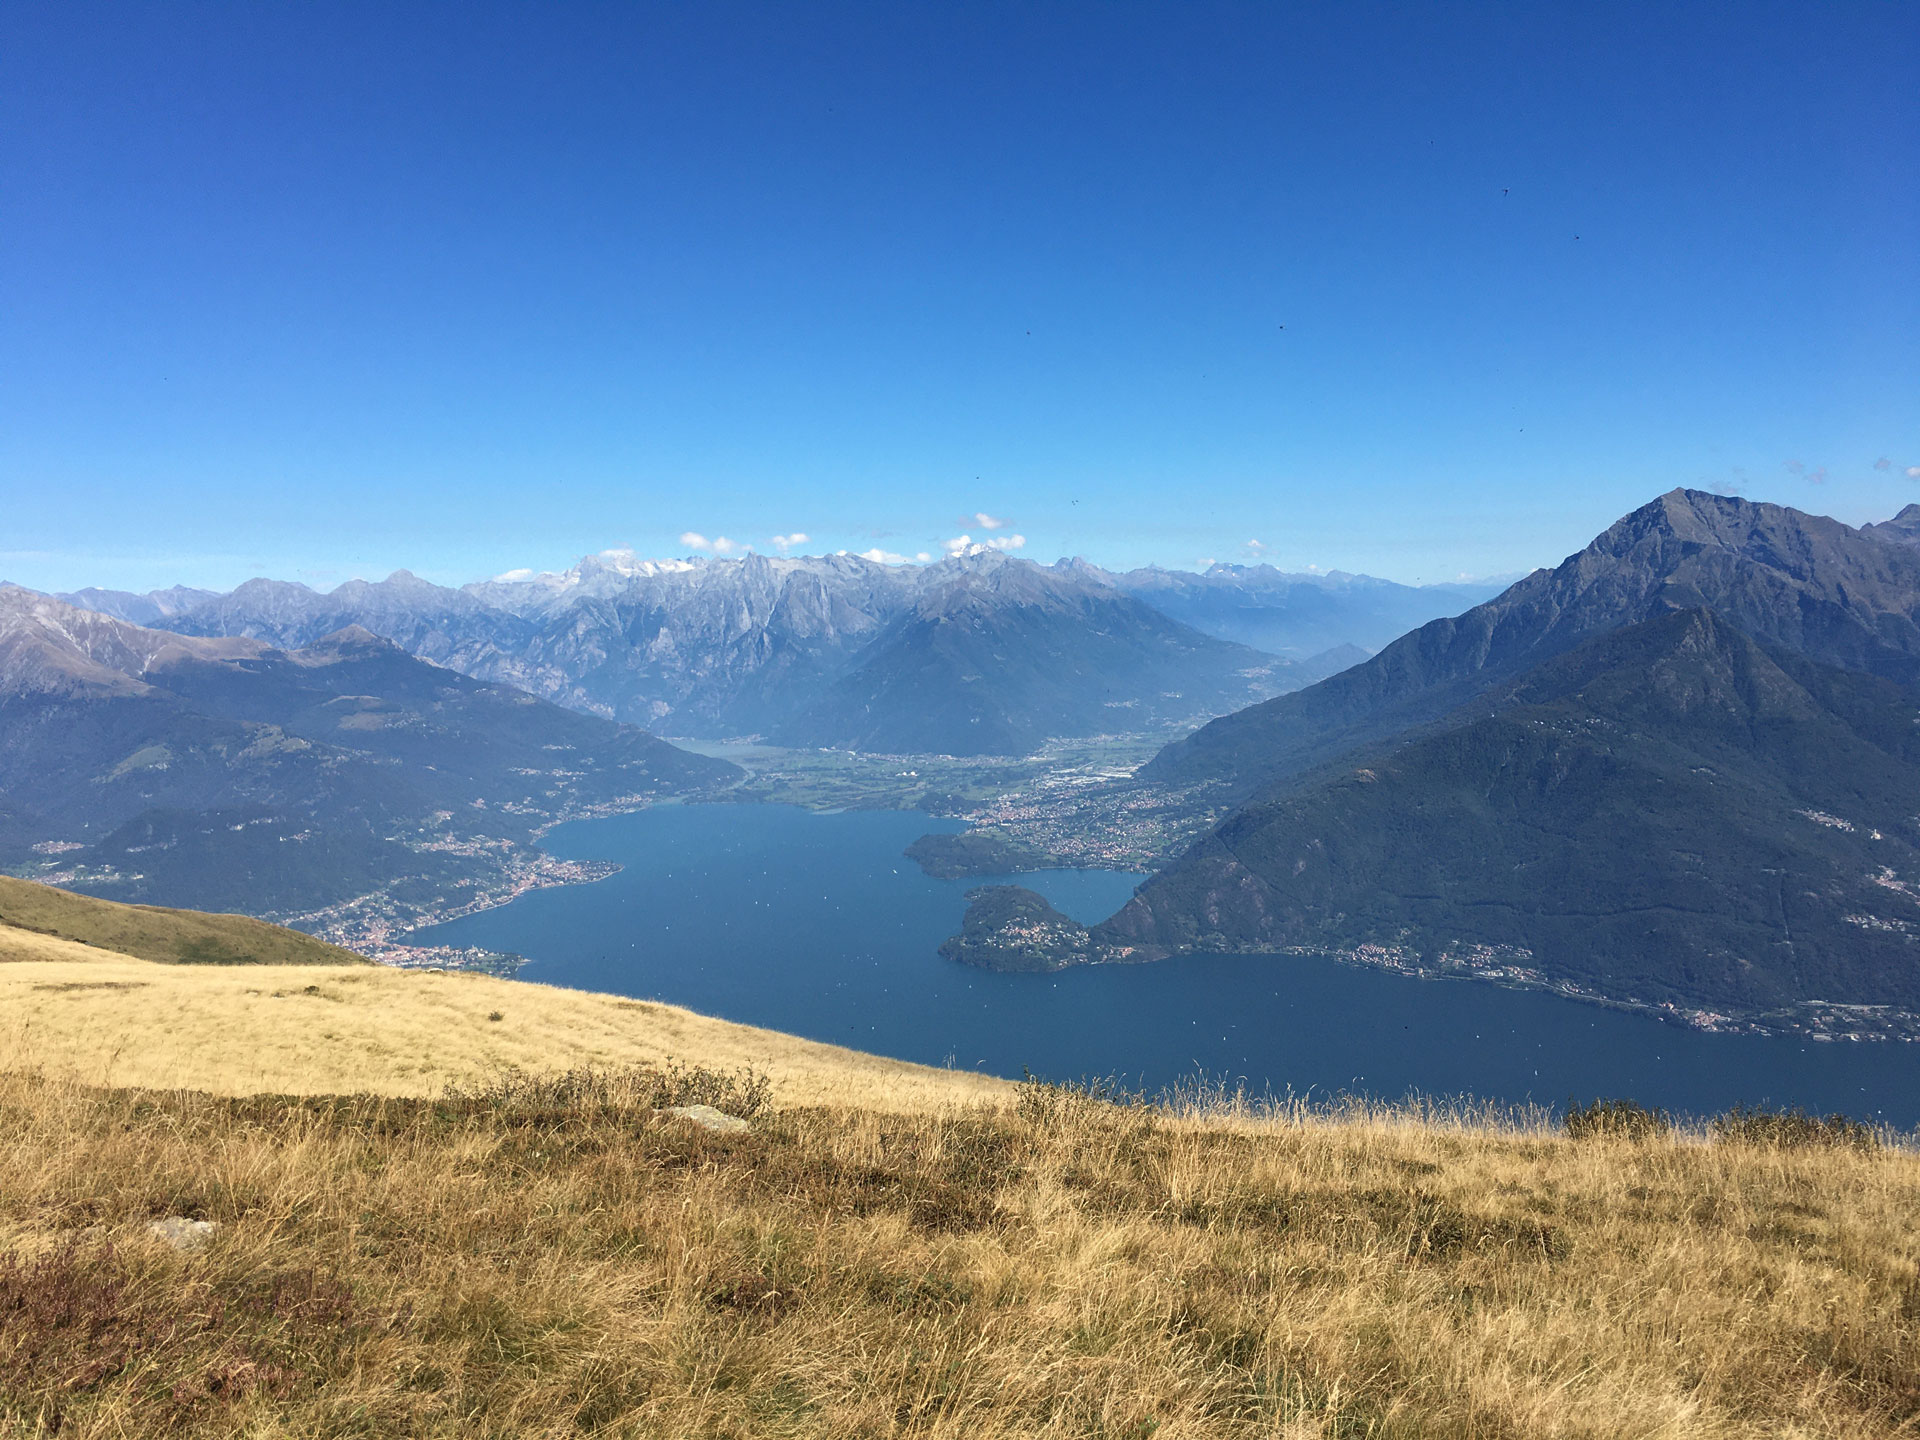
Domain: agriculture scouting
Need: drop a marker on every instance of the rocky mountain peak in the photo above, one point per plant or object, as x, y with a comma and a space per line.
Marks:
1804, 583
1902, 529
50, 647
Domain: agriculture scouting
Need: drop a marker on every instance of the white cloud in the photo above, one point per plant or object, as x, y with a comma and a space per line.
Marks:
923, 557
1255, 547
882, 557
990, 522
1913, 472
787, 542
966, 545
694, 540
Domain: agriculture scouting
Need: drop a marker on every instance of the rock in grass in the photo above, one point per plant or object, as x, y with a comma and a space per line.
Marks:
708, 1118
182, 1233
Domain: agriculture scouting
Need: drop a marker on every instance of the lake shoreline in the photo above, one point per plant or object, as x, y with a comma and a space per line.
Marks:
818, 925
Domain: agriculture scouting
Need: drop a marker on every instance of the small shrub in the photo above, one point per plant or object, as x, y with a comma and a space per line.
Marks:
633, 1087
495, 1015
754, 1293
1622, 1119
1792, 1130
1045, 1102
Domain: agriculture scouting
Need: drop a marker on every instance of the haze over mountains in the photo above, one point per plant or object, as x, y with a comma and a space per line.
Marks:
1297, 615
977, 654
1679, 769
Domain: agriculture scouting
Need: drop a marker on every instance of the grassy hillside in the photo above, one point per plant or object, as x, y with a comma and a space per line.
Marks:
533, 1264
889, 1251
173, 937
367, 1028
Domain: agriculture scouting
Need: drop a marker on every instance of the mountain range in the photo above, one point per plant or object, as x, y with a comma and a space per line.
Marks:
226, 773
977, 654
1678, 770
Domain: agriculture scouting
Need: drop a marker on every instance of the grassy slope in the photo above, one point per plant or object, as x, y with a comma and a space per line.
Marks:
341, 1029
890, 1252
180, 937
397, 1267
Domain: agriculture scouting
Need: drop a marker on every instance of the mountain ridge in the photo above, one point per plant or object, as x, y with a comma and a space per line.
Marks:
1667, 814
1679, 771
228, 774
794, 647
1755, 563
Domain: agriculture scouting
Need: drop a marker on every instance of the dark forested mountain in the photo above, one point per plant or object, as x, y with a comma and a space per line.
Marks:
1801, 582
1296, 615
1667, 813
982, 653
225, 773
1682, 769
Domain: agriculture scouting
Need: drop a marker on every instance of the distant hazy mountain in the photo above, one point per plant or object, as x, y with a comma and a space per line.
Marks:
1682, 768
981, 653
155, 605
1297, 615
224, 773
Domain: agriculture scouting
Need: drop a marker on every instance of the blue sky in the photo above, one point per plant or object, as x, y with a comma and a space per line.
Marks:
1420, 290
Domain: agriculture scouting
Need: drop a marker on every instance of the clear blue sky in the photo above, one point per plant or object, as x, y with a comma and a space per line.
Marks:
318, 290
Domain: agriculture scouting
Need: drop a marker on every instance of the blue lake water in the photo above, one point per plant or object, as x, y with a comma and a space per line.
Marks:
815, 924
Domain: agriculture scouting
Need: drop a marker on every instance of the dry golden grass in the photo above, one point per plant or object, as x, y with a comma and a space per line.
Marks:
890, 1252
150, 932
306, 1029
1049, 1266
17, 945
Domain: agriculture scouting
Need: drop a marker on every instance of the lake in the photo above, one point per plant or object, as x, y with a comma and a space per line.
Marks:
815, 924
